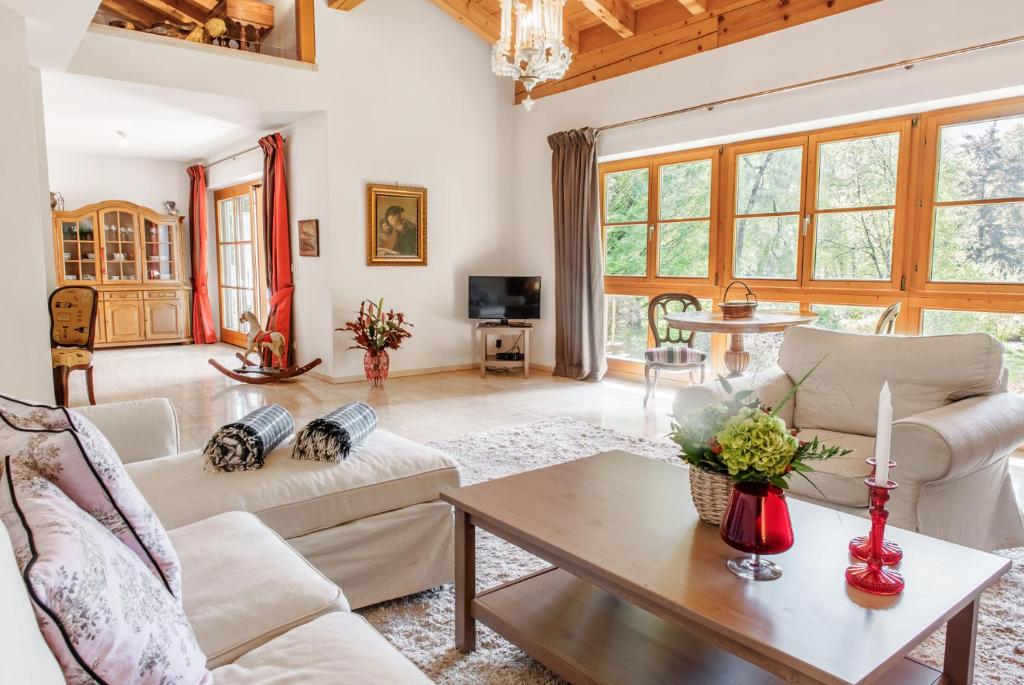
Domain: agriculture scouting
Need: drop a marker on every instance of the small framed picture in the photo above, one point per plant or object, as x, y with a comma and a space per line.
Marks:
309, 238
396, 225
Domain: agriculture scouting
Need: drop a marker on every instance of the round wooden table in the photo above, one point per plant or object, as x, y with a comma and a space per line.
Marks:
737, 359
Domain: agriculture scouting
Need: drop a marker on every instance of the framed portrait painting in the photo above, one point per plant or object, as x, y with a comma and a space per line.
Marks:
396, 225
309, 238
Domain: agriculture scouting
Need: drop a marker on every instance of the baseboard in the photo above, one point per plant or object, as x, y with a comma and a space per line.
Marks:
426, 371
359, 378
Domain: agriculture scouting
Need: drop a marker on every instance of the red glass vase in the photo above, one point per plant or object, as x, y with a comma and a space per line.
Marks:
376, 366
757, 522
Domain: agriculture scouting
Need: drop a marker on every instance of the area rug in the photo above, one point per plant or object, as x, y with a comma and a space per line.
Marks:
422, 626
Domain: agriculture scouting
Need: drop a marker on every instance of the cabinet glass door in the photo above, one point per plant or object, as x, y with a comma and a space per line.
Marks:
78, 247
120, 236
161, 249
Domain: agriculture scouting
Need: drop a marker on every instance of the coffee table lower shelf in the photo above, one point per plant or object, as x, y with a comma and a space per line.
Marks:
588, 635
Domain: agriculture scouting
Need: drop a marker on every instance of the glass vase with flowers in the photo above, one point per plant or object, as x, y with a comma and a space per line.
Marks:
376, 332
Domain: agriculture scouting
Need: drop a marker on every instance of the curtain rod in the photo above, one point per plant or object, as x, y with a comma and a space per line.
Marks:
905, 64
229, 157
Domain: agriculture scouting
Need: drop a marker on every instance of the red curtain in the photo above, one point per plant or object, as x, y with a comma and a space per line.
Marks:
276, 238
202, 316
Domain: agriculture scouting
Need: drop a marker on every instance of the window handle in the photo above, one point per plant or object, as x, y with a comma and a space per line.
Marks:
807, 224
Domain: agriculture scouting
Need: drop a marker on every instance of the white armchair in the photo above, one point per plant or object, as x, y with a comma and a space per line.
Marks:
955, 427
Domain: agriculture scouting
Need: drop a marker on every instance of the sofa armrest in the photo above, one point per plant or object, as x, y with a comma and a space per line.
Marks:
770, 385
139, 429
958, 439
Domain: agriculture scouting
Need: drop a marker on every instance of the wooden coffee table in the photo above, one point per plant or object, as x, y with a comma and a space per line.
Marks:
639, 591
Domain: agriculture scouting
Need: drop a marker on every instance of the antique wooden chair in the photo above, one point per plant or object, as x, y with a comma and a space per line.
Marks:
673, 349
887, 321
72, 334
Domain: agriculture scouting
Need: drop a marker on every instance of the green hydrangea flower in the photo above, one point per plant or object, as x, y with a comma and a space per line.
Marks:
755, 440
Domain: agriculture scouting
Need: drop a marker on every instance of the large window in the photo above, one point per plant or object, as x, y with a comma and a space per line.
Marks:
925, 210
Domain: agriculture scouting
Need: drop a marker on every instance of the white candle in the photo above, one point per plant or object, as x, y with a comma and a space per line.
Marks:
883, 436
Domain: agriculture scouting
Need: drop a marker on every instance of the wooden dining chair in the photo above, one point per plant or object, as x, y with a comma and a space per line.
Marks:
887, 321
72, 335
673, 349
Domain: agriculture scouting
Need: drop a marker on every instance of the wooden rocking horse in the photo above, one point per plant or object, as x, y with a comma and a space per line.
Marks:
258, 340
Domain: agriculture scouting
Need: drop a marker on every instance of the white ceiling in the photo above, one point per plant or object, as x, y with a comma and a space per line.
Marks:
84, 113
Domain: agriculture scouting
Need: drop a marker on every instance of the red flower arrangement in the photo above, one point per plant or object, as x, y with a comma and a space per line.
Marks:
376, 330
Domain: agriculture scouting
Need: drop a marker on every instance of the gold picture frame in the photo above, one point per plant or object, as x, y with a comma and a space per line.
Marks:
396, 225
309, 238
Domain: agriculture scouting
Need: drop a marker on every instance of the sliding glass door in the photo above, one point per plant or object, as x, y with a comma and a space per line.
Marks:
240, 259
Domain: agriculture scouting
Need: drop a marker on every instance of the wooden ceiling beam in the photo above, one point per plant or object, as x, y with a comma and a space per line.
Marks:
131, 10
616, 14
571, 36
172, 13
344, 5
474, 17
665, 31
695, 6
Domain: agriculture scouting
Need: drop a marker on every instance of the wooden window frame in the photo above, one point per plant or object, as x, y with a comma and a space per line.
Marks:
926, 204
912, 229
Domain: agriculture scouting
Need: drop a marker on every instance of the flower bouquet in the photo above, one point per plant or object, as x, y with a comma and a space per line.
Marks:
739, 440
376, 332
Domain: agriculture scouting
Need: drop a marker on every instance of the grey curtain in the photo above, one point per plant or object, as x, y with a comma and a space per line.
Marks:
579, 264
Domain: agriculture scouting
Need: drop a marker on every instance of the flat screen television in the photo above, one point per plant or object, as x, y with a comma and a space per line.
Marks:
504, 297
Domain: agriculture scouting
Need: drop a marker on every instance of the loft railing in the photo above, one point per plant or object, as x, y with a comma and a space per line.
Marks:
245, 25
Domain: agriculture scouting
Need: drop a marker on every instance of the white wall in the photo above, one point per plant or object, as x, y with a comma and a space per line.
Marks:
428, 113
24, 334
85, 179
877, 34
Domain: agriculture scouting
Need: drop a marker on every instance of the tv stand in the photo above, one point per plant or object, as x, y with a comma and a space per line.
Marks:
488, 329
505, 323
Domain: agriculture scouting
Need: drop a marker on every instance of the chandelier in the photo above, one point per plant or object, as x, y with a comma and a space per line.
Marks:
538, 54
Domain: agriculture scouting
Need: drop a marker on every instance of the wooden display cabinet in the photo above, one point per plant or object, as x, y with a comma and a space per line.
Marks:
134, 257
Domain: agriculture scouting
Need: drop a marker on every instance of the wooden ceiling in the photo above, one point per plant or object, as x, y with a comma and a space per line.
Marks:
610, 38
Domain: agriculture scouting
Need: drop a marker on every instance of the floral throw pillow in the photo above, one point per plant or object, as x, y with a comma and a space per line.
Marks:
75, 456
29, 415
104, 615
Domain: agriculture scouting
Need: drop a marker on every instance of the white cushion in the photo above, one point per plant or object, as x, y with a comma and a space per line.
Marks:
24, 655
841, 479
243, 585
923, 373
337, 648
299, 497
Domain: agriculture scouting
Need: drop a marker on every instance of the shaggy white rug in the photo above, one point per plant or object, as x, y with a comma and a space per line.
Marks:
422, 626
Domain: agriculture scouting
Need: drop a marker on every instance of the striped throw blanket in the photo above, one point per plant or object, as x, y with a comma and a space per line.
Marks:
245, 444
674, 355
335, 436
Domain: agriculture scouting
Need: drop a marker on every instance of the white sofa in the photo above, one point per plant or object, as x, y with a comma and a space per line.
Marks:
373, 524
260, 612
955, 426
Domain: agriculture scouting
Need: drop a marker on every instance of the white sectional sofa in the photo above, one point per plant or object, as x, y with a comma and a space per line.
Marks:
372, 524
955, 426
260, 612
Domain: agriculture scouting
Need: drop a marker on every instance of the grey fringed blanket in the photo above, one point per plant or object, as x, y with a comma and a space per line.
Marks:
333, 437
245, 444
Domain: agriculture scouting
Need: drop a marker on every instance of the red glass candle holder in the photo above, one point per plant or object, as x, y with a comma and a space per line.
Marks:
872, 576
757, 522
860, 547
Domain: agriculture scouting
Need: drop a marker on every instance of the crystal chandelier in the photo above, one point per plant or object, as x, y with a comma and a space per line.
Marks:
538, 54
